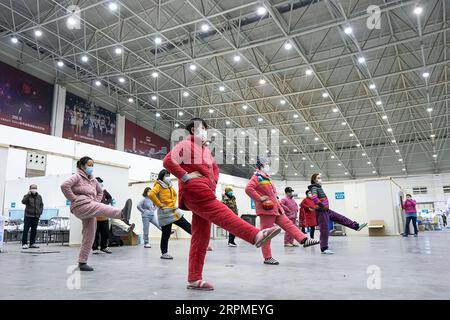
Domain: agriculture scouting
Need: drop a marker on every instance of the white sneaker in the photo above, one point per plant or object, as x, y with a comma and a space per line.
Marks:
25, 246
147, 245
96, 252
232, 244
328, 251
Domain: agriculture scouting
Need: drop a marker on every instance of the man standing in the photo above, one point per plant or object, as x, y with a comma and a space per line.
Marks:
102, 232
290, 209
33, 210
230, 201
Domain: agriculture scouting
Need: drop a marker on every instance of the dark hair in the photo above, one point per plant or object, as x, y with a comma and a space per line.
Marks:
146, 190
83, 161
408, 195
100, 180
307, 191
314, 177
162, 173
192, 123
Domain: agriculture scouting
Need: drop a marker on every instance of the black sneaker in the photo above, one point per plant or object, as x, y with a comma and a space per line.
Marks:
310, 242
131, 228
106, 250
271, 261
126, 211
84, 267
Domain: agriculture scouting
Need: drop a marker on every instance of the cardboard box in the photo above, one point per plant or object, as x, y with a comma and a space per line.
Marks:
376, 228
131, 240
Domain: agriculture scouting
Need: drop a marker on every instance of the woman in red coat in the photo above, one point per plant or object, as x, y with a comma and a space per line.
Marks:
192, 163
308, 217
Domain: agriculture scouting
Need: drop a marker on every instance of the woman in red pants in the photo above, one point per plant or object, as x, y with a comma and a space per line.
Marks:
192, 163
261, 189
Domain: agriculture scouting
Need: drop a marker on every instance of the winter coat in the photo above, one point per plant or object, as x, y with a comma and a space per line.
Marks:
146, 207
230, 203
33, 205
290, 207
107, 199
188, 156
308, 216
260, 185
410, 207
82, 190
162, 192
319, 197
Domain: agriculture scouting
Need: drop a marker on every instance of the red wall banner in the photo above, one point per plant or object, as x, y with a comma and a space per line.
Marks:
143, 142
25, 101
86, 122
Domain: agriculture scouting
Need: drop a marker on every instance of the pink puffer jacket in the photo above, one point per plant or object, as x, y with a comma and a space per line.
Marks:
81, 189
261, 185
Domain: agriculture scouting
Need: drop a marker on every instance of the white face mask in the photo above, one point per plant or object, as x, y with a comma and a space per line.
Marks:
167, 180
33, 191
266, 169
319, 180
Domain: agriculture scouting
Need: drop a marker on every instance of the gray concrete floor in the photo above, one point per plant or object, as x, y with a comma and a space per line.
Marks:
409, 268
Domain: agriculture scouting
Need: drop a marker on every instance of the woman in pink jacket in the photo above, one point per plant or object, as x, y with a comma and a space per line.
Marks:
411, 215
269, 209
85, 194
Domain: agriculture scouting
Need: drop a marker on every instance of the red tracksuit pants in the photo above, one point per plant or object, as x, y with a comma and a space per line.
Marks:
268, 221
206, 209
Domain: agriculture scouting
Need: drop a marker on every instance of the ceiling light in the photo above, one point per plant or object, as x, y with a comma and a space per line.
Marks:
432, 135
244, 107
98, 83
205, 27
155, 74
425, 74
158, 114
14, 40
325, 148
192, 67
227, 122
339, 164
296, 173
400, 160
325, 95
332, 157
38, 33
283, 102
295, 116
185, 94
374, 172
260, 119
241, 151
346, 173
211, 110
303, 158
154, 98
130, 100
295, 150
180, 113
112, 6
284, 141
243, 164
286, 166
358, 145
403, 169
255, 142
237, 58
158, 40
393, 141
378, 103
273, 130
361, 59
84, 58
343, 123
221, 88
316, 138
261, 11
60, 63
312, 166
335, 110
118, 50
434, 155
372, 86
262, 81
71, 21
389, 129
397, 151
368, 162
307, 128
308, 72
363, 154
384, 117
288, 46
177, 125
429, 109
418, 10
348, 30
351, 134
121, 79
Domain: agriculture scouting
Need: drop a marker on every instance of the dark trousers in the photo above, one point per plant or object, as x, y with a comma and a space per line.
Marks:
167, 229
101, 235
29, 223
311, 231
231, 238
414, 221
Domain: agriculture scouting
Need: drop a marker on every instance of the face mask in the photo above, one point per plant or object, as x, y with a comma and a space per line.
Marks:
167, 180
89, 170
319, 181
101, 185
265, 169
33, 191
202, 134
309, 195
230, 194
290, 195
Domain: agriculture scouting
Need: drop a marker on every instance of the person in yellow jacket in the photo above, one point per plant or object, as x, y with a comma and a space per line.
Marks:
164, 196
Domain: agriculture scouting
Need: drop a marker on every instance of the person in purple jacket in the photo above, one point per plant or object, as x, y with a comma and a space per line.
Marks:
411, 214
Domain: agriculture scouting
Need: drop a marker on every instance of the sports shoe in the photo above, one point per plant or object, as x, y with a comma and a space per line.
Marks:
34, 246
288, 245
200, 285
106, 250
232, 244
361, 226
25, 246
416, 235
147, 245
310, 242
85, 267
295, 245
271, 261
328, 251
166, 256
126, 211
131, 228
96, 251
